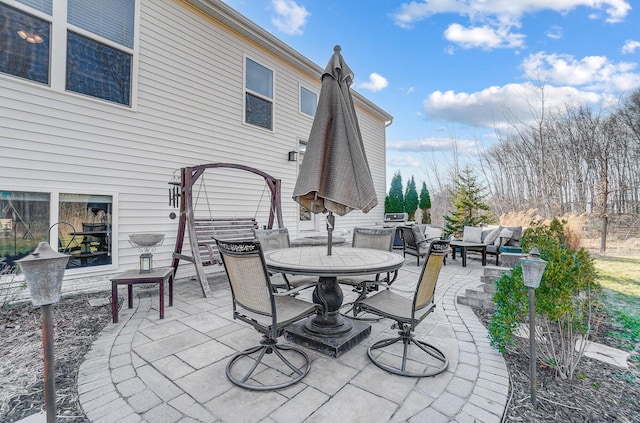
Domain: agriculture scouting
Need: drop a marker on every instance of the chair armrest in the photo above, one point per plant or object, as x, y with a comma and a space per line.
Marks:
422, 241
294, 290
385, 283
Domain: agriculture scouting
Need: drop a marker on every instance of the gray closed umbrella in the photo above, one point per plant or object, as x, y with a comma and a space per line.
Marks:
334, 176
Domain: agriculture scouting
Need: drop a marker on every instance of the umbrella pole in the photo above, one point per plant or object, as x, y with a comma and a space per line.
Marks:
330, 221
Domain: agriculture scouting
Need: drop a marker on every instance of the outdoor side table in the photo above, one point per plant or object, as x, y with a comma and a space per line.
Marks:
465, 246
158, 275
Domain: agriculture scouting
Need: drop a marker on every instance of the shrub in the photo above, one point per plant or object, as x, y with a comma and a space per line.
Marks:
566, 300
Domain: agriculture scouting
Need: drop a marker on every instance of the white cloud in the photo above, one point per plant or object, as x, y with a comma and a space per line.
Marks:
432, 145
498, 107
630, 46
555, 32
376, 83
483, 37
492, 21
590, 72
290, 17
501, 10
403, 161
561, 79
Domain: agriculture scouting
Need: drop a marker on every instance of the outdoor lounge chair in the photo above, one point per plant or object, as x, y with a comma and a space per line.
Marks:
256, 303
373, 238
415, 242
408, 313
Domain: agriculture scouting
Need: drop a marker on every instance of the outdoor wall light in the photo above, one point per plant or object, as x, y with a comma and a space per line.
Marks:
44, 270
293, 156
532, 269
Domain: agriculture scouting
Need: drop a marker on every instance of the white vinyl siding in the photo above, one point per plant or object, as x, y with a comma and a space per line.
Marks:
189, 112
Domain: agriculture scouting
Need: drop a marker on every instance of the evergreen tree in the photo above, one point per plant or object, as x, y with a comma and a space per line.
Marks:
468, 199
425, 203
394, 202
411, 198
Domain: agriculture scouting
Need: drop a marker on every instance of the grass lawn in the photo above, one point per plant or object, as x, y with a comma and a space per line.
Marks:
620, 278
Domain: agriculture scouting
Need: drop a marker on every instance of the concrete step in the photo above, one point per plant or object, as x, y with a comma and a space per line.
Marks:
490, 287
476, 302
474, 293
481, 297
492, 273
510, 260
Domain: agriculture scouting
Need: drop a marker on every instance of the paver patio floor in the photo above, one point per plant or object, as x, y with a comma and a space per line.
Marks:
173, 370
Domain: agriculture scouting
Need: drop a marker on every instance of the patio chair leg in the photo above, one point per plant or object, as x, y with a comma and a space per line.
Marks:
407, 339
266, 347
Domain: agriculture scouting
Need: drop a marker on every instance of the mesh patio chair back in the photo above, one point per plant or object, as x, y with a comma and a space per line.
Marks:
273, 239
425, 290
248, 276
374, 238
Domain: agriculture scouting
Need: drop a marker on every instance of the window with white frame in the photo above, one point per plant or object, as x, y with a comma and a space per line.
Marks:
84, 229
258, 95
308, 101
24, 222
81, 226
99, 45
24, 45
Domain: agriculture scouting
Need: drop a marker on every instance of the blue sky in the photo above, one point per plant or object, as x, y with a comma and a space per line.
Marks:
451, 72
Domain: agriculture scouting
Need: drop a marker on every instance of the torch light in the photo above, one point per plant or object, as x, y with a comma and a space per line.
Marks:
532, 269
44, 270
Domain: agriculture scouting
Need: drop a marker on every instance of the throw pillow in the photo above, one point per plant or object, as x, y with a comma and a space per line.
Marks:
492, 236
432, 233
472, 234
505, 236
517, 232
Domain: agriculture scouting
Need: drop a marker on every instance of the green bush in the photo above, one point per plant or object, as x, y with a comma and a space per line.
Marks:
565, 301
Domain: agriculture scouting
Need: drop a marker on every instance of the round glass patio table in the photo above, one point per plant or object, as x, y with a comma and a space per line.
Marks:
344, 261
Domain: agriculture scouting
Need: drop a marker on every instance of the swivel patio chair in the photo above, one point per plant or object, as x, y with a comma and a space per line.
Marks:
272, 239
376, 239
408, 313
256, 303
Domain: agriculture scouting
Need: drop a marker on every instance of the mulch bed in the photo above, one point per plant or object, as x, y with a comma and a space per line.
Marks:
601, 393
598, 393
76, 326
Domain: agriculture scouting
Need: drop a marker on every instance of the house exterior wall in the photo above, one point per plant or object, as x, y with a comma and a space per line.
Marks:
187, 110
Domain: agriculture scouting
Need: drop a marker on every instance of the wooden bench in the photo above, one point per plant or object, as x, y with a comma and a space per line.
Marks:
206, 232
208, 229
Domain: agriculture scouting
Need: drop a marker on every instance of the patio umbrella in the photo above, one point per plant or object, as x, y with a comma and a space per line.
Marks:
334, 176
